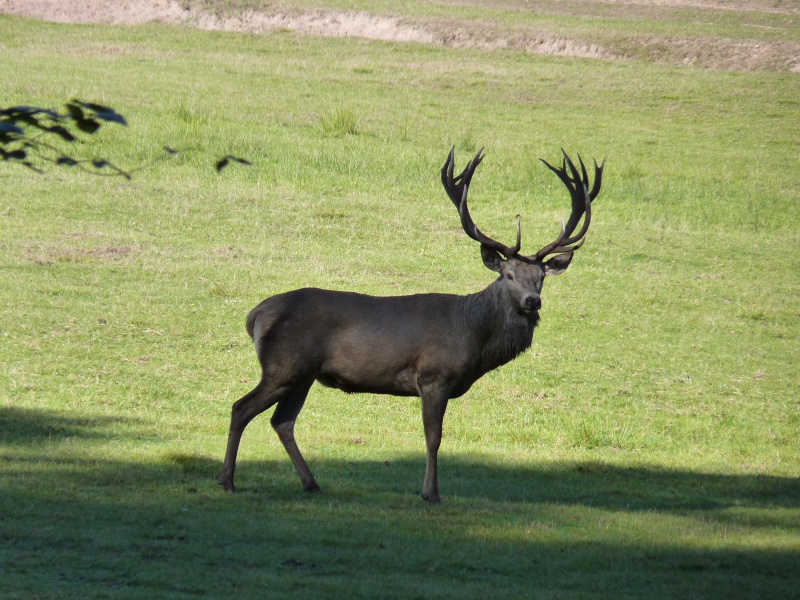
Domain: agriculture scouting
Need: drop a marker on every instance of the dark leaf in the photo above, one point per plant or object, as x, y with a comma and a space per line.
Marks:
88, 125
13, 155
224, 162
93, 107
61, 132
29, 111
75, 112
104, 113
10, 127
67, 161
111, 117
30, 120
169, 150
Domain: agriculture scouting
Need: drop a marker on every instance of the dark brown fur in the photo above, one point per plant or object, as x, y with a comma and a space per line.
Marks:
434, 346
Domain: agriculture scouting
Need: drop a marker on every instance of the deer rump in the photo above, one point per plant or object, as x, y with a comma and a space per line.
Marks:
397, 345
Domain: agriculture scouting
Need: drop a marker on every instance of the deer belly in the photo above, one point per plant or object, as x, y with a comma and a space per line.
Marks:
369, 377
371, 356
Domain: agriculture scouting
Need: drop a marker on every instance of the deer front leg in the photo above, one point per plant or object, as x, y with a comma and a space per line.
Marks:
434, 405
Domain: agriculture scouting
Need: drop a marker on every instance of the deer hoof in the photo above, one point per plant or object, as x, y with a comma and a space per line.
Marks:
227, 485
312, 487
432, 499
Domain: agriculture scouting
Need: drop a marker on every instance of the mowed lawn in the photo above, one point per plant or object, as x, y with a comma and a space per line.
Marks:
645, 447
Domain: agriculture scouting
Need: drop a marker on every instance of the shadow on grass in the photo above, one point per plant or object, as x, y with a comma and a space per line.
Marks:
20, 426
588, 484
96, 527
591, 484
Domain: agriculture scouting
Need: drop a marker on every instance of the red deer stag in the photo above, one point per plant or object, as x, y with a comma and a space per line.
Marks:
434, 346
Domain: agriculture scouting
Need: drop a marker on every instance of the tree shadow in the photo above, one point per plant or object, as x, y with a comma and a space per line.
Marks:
593, 484
637, 488
162, 527
21, 426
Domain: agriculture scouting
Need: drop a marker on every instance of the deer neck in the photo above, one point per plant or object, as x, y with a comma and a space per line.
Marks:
505, 332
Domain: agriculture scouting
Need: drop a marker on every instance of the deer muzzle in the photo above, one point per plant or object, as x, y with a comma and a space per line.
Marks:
532, 303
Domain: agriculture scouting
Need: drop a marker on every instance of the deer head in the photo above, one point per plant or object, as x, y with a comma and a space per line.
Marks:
523, 276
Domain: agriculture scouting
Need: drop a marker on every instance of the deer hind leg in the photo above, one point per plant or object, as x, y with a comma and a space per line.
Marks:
434, 406
247, 408
283, 420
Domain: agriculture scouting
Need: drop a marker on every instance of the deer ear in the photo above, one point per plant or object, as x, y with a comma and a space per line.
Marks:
558, 264
491, 258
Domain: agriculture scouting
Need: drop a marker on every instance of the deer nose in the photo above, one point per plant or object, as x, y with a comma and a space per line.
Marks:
533, 303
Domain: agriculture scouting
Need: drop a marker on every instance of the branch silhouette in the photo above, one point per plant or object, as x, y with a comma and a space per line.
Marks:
29, 135
33, 137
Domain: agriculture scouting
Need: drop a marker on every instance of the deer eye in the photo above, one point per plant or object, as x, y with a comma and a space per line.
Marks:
510, 276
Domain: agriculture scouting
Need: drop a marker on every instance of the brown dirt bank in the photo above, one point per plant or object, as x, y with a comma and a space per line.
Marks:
714, 53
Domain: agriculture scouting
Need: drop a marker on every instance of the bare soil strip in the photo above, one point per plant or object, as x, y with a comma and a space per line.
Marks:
740, 55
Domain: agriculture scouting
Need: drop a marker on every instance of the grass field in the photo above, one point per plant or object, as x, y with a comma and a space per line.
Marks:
645, 447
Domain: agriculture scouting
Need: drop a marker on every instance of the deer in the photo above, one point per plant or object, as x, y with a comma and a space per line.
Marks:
434, 346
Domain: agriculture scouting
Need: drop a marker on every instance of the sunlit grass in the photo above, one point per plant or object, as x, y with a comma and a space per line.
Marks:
646, 446
339, 123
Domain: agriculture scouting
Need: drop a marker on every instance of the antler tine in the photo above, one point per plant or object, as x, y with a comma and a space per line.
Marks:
588, 198
584, 176
580, 198
598, 179
457, 189
454, 186
578, 186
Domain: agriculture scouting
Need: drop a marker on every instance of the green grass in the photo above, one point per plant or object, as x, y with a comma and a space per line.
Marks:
340, 122
646, 446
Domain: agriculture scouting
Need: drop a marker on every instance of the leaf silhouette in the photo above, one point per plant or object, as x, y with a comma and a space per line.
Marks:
226, 160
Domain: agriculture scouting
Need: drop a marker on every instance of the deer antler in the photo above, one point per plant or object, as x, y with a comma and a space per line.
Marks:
578, 186
457, 188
